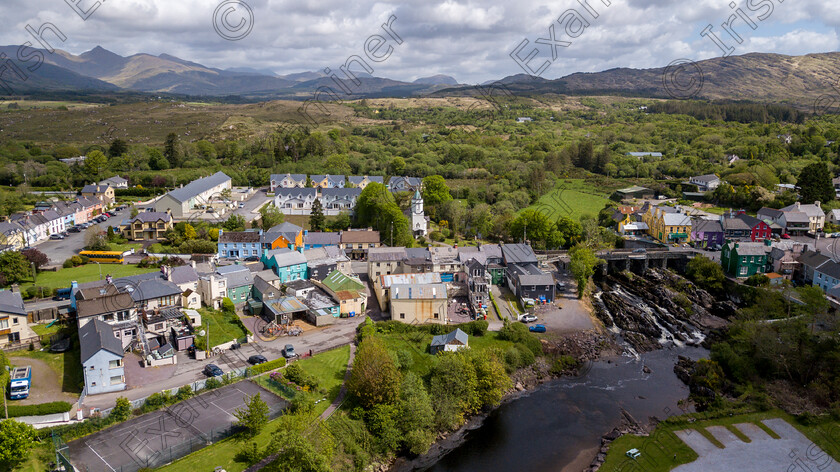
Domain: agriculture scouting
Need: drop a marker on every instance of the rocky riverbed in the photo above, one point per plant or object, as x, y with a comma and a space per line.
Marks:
658, 308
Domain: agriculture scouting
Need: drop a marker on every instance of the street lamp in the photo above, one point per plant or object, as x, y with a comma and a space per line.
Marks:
100, 269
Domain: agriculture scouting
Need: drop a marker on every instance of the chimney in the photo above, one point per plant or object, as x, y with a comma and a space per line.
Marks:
817, 204
798, 205
192, 263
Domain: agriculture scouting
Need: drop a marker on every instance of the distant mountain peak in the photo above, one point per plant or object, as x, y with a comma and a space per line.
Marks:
437, 79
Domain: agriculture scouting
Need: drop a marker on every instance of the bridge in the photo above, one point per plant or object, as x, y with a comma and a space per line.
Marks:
634, 260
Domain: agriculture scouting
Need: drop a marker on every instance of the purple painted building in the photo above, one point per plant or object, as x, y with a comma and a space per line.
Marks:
706, 232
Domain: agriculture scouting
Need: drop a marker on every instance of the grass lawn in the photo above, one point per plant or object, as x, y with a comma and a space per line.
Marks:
125, 247
222, 328
572, 198
86, 273
328, 367
39, 459
67, 365
41, 328
659, 448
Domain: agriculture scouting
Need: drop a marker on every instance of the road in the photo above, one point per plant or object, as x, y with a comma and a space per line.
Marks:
60, 250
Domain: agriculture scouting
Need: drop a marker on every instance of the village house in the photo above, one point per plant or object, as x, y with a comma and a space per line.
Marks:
327, 181
295, 201
323, 260
744, 227
419, 303
809, 261
357, 242
287, 264
147, 226
115, 182
813, 211
287, 181
743, 259
349, 291
404, 184
14, 327
452, 341
105, 193
102, 358
240, 244
239, 281
363, 181
339, 199
284, 235
705, 183
316, 239
382, 284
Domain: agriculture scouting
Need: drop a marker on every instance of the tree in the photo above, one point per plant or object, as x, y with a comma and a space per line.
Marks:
706, 273
416, 415
234, 223
454, 386
491, 379
397, 166
16, 441
171, 151
377, 208
14, 268
157, 161
317, 220
34, 256
582, 266
339, 222
270, 217
95, 240
455, 213
96, 163
118, 148
815, 183
122, 410
374, 378
435, 191
189, 232
253, 416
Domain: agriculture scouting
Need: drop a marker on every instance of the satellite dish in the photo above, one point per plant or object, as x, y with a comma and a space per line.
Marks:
201, 333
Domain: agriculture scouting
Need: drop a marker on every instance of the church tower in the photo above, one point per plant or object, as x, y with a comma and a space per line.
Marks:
419, 224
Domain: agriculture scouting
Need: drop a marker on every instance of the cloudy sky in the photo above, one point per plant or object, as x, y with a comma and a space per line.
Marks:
469, 40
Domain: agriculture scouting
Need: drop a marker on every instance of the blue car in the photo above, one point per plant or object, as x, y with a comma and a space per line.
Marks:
212, 370
538, 328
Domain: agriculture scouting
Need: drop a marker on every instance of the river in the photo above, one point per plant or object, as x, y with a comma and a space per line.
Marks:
558, 426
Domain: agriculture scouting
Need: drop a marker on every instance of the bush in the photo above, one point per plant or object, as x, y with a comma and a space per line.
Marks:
518, 333
267, 366
68, 264
301, 403
296, 374
212, 383
122, 411
474, 328
156, 401
228, 306
76, 261
39, 409
437, 236
184, 393
564, 364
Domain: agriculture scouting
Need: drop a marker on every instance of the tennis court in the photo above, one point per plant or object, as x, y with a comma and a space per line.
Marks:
165, 435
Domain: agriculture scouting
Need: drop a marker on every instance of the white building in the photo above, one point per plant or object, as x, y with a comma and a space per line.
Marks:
419, 221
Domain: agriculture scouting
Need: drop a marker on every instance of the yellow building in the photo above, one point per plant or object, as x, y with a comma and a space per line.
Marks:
671, 226
102, 192
148, 226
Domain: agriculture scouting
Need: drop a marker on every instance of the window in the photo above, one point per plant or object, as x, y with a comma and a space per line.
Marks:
4, 324
15, 320
743, 271
117, 379
115, 364
402, 316
437, 315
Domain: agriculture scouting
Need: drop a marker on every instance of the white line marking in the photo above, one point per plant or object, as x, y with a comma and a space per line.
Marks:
100, 458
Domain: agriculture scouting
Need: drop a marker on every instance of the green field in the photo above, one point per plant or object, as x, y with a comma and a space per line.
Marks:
659, 448
327, 367
86, 273
573, 198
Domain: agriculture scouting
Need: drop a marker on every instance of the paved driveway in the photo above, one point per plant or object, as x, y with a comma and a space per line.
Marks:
46, 384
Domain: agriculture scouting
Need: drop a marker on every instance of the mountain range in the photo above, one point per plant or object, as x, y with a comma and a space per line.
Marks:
796, 80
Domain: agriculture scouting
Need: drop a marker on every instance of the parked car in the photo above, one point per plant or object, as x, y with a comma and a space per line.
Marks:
561, 286
538, 328
640, 250
785, 236
212, 370
75, 229
252, 259
55, 236
241, 205
289, 351
528, 318
257, 359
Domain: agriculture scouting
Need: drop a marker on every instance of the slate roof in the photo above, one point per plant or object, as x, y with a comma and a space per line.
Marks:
266, 275
358, 179
444, 339
149, 289
518, 254
830, 268
408, 181
335, 180
796, 217
750, 248
240, 237
707, 178
333, 194
199, 186
95, 336
95, 188
771, 213
236, 276
285, 257
530, 274
183, 274
676, 219
701, 225
812, 258
286, 229
11, 303
299, 193
151, 217
266, 289
114, 181
322, 238
104, 304
324, 255
418, 292
810, 209
386, 254
295, 177
8, 228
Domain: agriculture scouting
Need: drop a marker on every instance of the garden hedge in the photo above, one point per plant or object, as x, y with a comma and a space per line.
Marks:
266, 366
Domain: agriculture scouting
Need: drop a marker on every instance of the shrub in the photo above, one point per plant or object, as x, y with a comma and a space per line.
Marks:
68, 263
156, 401
267, 366
212, 383
296, 374
437, 236
184, 393
301, 403
76, 261
564, 364
228, 306
85, 259
122, 411
39, 409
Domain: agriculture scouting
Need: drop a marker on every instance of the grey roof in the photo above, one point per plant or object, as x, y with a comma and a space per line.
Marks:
418, 292
199, 186
358, 179
151, 289
331, 179
236, 276
421, 278
11, 302
266, 275
151, 217
240, 236
750, 248
285, 257
771, 213
796, 217
830, 268
676, 219
115, 180
811, 209
701, 225
8, 228
417, 255
518, 254
385, 254
444, 339
443, 254
331, 194
266, 289
812, 258
322, 238
183, 274
95, 336
735, 224
295, 177
324, 255
355, 236
318, 299
95, 188
409, 181
645, 153
706, 178
288, 230
299, 284
530, 274
305, 193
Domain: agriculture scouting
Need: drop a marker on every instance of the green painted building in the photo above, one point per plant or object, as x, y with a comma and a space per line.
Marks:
743, 259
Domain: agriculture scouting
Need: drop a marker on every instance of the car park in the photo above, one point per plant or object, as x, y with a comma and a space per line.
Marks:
289, 351
212, 370
537, 328
257, 359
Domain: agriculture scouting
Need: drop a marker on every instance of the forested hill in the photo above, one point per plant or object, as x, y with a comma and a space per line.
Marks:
773, 78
